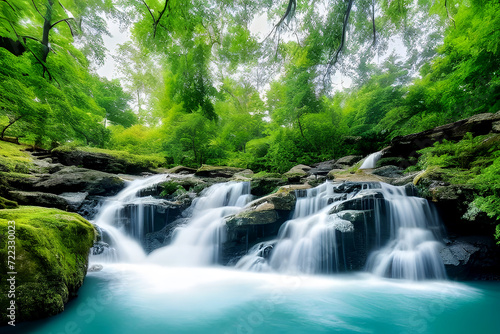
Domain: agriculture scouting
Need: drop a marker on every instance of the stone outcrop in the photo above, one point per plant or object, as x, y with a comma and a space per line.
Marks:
98, 161
74, 179
217, 171
407, 146
37, 198
347, 161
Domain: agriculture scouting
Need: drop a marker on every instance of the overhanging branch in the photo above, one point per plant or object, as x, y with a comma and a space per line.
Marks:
334, 59
9, 4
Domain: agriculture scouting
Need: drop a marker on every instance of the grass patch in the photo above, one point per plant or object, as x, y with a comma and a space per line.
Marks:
13, 158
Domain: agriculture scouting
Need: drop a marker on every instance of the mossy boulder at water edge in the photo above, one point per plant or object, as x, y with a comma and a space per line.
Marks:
51, 257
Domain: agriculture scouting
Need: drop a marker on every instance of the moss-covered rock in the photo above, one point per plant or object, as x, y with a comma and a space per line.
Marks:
39, 199
106, 160
51, 258
265, 183
297, 173
217, 171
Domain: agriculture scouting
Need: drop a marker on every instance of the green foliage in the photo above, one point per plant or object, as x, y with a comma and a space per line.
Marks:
169, 188
474, 161
13, 158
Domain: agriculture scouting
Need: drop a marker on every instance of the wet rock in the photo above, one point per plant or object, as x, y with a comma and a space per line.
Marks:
347, 161
322, 168
261, 186
354, 216
471, 258
181, 170
388, 171
74, 200
98, 161
95, 268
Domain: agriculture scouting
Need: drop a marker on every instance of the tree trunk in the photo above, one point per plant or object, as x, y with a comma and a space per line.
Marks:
302, 133
46, 30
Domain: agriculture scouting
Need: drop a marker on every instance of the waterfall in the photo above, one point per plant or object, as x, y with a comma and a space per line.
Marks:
413, 250
335, 227
371, 160
400, 238
198, 243
119, 231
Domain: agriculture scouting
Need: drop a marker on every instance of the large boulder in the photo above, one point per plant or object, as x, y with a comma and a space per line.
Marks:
259, 220
322, 168
74, 179
265, 184
101, 161
471, 258
217, 171
52, 248
37, 198
347, 161
297, 172
268, 209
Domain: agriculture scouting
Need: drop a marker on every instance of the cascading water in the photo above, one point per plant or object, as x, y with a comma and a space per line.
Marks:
122, 221
112, 222
335, 227
413, 251
198, 243
317, 239
371, 160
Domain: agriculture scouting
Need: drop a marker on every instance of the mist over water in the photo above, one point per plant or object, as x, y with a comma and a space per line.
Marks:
292, 284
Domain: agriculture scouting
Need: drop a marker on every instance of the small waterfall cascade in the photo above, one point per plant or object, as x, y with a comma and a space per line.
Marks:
371, 160
413, 250
120, 231
198, 243
308, 242
371, 226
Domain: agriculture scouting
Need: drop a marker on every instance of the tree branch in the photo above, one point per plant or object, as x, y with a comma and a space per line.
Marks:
448, 13
373, 23
149, 10
342, 41
9, 4
290, 10
159, 17
34, 4
63, 20
10, 123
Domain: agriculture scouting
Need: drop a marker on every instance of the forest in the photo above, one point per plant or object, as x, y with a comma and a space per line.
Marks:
198, 83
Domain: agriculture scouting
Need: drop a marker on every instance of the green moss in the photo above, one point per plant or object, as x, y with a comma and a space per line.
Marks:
169, 188
145, 161
13, 158
51, 258
7, 204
